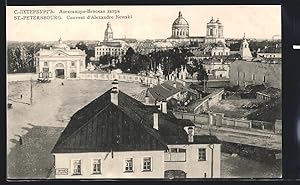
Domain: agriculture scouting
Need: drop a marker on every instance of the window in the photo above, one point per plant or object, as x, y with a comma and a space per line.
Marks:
202, 154
253, 76
96, 164
147, 164
45, 63
129, 165
77, 167
264, 79
72, 63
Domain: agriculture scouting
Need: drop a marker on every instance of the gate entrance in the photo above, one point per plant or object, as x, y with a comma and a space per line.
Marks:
59, 70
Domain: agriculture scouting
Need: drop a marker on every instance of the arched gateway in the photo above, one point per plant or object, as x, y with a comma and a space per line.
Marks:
59, 70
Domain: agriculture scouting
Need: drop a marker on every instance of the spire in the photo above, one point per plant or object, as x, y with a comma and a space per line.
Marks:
180, 14
108, 34
245, 50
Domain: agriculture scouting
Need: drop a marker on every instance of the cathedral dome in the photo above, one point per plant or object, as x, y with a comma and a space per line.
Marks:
180, 21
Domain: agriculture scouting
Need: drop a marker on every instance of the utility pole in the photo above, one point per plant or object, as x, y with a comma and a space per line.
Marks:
31, 91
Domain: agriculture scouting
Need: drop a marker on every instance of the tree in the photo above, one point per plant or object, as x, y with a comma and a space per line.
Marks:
21, 57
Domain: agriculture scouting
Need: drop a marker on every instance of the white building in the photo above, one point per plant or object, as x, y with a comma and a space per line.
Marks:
245, 50
220, 49
109, 46
270, 52
116, 136
60, 62
181, 32
216, 68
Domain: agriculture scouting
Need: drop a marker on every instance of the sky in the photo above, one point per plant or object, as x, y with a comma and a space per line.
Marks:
147, 22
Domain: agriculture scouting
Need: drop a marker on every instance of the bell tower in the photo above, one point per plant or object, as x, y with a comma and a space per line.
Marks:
108, 34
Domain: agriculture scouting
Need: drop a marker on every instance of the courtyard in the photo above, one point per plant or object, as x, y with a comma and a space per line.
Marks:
232, 108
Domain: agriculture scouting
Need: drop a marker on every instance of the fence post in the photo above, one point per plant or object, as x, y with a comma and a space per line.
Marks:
262, 126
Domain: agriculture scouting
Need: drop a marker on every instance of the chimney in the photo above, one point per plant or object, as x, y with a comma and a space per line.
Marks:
190, 132
114, 95
164, 107
147, 97
155, 120
115, 83
174, 85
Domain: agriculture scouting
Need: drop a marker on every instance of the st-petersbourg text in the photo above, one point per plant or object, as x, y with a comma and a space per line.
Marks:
33, 11
33, 17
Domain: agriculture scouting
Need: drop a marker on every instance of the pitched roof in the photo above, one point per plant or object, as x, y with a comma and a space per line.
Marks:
271, 49
102, 126
160, 92
163, 91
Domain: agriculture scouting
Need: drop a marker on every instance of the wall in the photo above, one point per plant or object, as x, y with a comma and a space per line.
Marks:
218, 83
220, 120
112, 167
123, 77
272, 73
209, 101
196, 118
192, 166
21, 77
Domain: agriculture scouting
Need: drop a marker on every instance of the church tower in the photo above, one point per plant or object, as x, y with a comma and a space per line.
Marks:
245, 50
214, 31
108, 34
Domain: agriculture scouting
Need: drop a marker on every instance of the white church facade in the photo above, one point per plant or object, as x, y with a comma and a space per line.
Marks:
181, 31
60, 61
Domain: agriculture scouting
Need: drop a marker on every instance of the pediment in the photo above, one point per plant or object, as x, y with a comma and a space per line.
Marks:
58, 53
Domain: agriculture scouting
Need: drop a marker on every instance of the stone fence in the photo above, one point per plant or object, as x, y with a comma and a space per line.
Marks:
21, 77
208, 101
218, 119
122, 77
